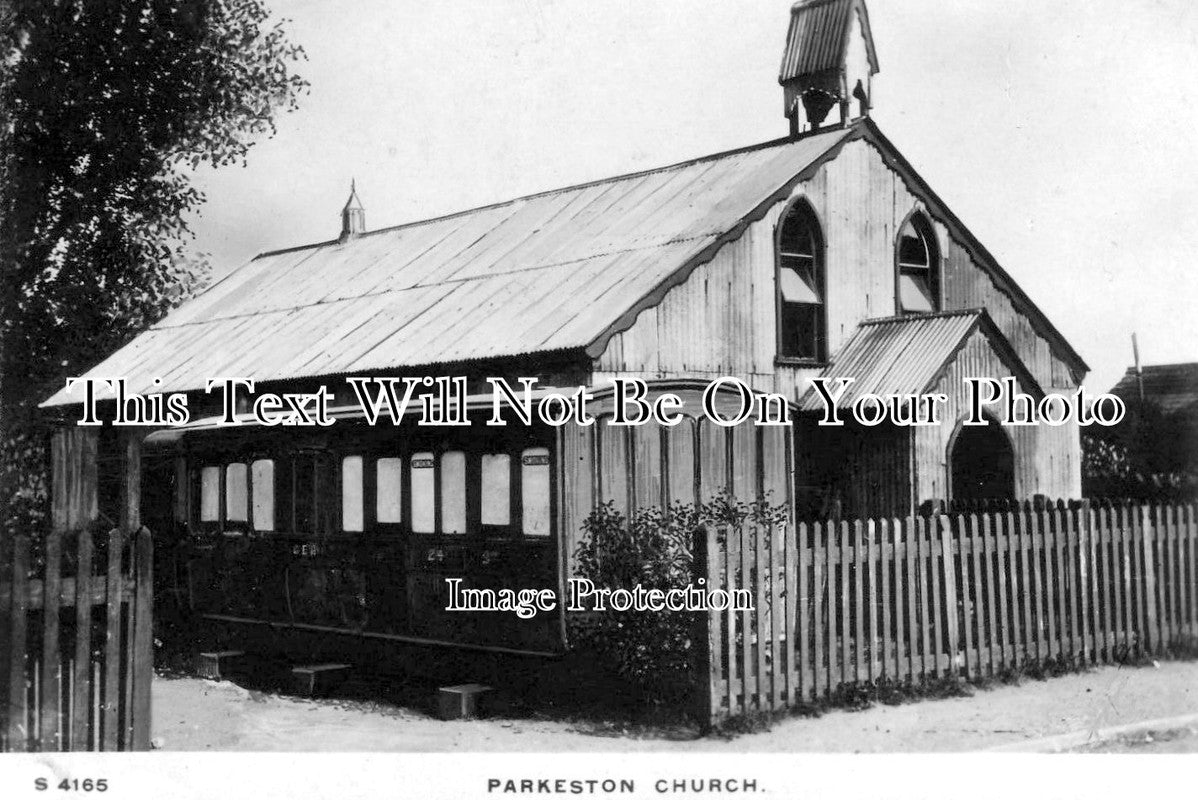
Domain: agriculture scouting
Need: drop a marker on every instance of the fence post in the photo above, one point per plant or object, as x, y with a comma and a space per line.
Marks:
18, 732
705, 571
6, 550
142, 665
112, 647
51, 735
81, 697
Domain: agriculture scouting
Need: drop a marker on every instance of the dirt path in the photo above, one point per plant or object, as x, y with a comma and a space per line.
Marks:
192, 714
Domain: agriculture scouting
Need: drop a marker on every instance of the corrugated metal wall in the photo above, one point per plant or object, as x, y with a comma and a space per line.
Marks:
653, 465
1047, 459
722, 320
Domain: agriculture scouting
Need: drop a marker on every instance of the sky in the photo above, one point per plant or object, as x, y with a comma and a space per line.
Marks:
1062, 133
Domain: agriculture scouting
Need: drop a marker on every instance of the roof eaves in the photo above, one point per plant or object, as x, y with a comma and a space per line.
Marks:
708, 251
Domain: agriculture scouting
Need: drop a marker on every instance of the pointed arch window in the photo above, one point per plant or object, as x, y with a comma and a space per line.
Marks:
801, 297
918, 267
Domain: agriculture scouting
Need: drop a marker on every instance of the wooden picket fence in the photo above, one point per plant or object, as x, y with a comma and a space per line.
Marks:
912, 601
76, 642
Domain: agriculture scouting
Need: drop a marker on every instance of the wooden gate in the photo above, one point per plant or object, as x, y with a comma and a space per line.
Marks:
76, 642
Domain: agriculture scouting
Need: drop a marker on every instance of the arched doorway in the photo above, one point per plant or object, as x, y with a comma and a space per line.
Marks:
982, 464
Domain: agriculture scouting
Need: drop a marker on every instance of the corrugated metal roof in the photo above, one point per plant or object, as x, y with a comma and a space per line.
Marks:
818, 35
549, 272
1173, 387
897, 355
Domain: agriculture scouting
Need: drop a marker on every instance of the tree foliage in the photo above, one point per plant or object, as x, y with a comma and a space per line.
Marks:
108, 107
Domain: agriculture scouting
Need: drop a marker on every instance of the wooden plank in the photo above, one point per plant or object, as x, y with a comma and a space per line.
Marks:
712, 568
81, 685
1090, 585
1167, 535
845, 612
51, 731
762, 631
110, 726
926, 665
936, 567
1191, 526
1181, 619
972, 593
777, 620
886, 554
993, 642
961, 625
748, 670
902, 662
1117, 582
1159, 563
706, 629
1189, 595
858, 574
731, 564
1135, 556
1003, 537
914, 640
1038, 552
18, 709
1150, 593
1125, 586
1083, 580
954, 590
1063, 586
143, 637
798, 590
819, 555
1053, 611
1026, 587
871, 651
1112, 569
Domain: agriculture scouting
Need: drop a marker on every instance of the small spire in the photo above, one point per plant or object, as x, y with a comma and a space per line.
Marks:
353, 216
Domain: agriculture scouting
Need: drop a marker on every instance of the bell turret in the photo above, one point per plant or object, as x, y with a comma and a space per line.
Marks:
828, 64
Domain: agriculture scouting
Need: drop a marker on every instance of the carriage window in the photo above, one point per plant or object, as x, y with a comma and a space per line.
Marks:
351, 493
210, 494
304, 494
801, 317
453, 492
496, 489
236, 494
262, 481
918, 278
389, 478
534, 486
423, 498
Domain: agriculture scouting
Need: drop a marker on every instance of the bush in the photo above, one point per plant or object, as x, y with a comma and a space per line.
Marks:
653, 652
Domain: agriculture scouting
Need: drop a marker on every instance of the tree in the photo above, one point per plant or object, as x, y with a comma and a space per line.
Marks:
106, 109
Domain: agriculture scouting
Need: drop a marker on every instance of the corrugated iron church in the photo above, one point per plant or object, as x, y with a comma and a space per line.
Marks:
821, 253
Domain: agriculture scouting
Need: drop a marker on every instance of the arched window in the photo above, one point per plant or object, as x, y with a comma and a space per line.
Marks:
918, 267
801, 316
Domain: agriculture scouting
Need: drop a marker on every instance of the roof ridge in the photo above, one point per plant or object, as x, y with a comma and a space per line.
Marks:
573, 187
960, 312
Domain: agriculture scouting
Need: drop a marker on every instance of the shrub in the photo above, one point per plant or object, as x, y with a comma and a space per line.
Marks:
653, 652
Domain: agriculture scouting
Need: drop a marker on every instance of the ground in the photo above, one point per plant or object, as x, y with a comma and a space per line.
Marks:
1110, 709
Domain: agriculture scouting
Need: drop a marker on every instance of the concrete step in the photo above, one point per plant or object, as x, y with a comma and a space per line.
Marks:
314, 679
219, 665
462, 701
